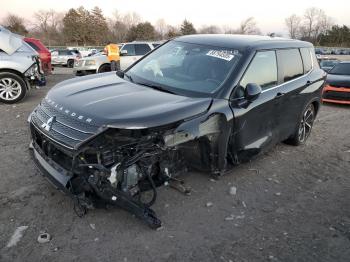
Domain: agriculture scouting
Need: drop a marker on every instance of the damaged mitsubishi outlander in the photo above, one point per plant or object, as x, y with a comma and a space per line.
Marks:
205, 101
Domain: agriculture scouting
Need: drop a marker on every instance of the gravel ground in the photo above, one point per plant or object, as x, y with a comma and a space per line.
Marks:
290, 204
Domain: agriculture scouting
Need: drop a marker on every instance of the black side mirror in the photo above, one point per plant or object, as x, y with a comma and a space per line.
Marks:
120, 73
252, 91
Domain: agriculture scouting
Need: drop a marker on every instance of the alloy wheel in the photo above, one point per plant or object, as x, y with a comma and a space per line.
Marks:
10, 89
306, 124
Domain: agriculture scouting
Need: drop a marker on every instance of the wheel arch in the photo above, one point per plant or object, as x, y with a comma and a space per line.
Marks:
18, 73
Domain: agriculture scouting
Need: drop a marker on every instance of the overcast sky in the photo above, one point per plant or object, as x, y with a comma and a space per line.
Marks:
269, 14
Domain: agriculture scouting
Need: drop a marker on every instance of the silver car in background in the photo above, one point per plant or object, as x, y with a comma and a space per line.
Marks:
19, 67
99, 63
65, 57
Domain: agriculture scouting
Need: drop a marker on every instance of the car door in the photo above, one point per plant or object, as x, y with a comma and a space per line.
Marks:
127, 58
255, 122
289, 93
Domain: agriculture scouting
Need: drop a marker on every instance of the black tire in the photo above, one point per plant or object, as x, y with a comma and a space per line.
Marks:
303, 130
70, 63
104, 68
12, 88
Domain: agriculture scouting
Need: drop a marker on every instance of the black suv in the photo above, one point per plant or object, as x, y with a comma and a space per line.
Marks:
201, 101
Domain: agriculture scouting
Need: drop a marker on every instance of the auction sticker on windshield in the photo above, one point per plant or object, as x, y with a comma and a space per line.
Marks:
221, 54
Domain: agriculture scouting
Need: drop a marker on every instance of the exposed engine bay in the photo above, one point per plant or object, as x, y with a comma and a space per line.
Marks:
123, 168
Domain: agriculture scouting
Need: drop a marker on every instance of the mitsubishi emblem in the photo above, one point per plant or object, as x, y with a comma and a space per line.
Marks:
48, 125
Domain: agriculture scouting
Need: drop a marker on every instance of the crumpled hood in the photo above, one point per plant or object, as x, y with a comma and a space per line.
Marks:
338, 80
9, 42
109, 100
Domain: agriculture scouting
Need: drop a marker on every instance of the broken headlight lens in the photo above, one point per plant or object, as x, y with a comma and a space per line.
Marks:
32, 71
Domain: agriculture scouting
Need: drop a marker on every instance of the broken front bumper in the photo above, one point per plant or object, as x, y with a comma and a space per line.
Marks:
61, 180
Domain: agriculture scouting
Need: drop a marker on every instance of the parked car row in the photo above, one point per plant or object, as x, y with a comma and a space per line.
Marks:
99, 63
332, 51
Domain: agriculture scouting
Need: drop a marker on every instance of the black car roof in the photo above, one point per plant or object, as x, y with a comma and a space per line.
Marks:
243, 41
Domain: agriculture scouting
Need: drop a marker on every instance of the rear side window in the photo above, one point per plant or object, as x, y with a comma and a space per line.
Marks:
305, 54
142, 49
130, 49
32, 45
314, 58
262, 70
290, 64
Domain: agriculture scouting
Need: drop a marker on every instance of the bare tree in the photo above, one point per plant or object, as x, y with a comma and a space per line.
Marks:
293, 24
48, 23
161, 27
15, 24
212, 29
249, 27
310, 21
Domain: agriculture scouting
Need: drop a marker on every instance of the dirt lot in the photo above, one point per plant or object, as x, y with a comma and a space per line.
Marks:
292, 204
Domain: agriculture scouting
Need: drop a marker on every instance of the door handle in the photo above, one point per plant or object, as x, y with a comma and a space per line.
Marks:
280, 94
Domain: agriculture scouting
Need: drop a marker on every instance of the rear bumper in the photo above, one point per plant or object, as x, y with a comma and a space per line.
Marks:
339, 95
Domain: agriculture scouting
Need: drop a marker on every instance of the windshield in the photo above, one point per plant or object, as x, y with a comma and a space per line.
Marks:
329, 63
186, 68
341, 69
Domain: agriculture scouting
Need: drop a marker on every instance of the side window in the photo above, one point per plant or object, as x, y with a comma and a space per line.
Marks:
262, 70
32, 45
305, 54
142, 49
290, 63
130, 49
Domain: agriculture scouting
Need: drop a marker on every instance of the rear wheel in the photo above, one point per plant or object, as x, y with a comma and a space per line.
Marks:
304, 128
104, 68
12, 88
70, 63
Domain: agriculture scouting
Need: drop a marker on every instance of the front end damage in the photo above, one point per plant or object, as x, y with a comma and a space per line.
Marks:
123, 167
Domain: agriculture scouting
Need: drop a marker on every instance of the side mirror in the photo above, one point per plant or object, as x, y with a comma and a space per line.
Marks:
120, 73
123, 52
252, 91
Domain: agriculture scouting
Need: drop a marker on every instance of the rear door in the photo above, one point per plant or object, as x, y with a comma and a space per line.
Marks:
255, 123
292, 83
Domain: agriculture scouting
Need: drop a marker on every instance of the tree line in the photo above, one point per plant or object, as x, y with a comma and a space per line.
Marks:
317, 27
80, 26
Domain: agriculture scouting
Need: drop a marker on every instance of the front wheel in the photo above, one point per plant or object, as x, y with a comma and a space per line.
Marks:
303, 130
12, 88
70, 63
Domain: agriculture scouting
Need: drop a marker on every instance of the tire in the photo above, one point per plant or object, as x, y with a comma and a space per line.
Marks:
12, 88
104, 68
303, 130
70, 63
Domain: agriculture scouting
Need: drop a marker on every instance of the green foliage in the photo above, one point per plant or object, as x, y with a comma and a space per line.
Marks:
187, 28
142, 31
336, 36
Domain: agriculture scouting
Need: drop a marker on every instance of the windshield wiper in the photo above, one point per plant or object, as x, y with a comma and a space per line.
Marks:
156, 87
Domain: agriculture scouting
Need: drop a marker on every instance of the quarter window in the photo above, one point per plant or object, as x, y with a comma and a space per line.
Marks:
290, 63
305, 54
262, 70
142, 49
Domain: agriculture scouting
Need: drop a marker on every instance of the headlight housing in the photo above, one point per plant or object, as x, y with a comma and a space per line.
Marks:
90, 62
32, 71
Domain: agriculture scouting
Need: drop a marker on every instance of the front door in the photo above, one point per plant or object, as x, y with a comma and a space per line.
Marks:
255, 122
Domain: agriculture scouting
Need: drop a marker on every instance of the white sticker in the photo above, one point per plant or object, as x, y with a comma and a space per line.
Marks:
221, 54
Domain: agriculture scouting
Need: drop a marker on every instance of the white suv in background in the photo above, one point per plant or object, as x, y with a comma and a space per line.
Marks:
99, 63
65, 57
